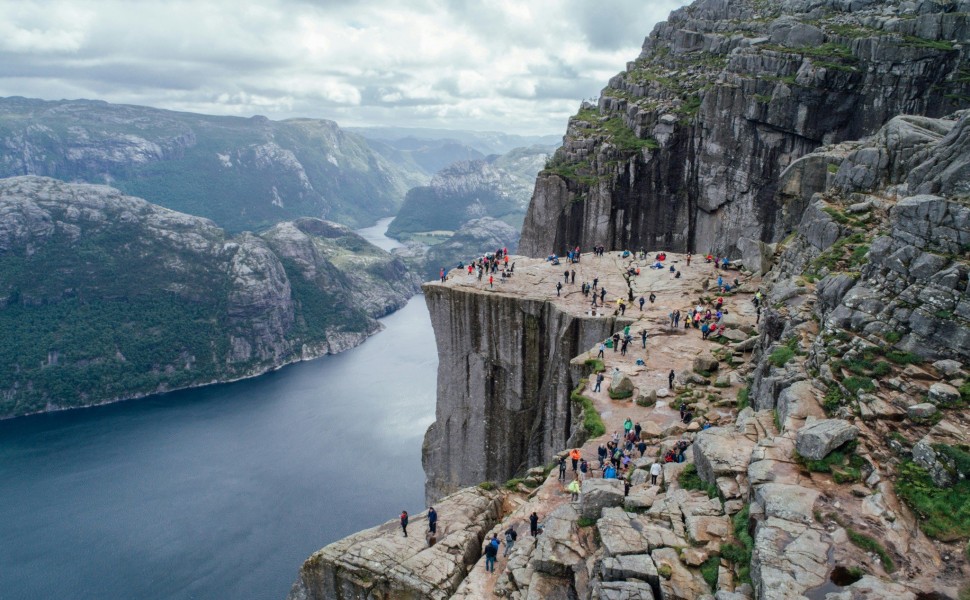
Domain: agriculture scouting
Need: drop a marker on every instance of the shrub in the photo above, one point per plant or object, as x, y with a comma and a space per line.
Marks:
487, 485
740, 554
592, 422
743, 401
709, 571
595, 364
903, 358
780, 356
893, 336
855, 384
586, 522
513, 484
665, 571
690, 480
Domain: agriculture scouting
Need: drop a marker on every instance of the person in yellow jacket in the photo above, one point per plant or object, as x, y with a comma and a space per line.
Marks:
574, 489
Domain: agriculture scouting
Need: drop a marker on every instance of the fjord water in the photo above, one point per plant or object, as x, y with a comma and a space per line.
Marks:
222, 491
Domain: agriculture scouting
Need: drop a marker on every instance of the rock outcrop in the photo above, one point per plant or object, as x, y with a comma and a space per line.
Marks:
504, 379
136, 299
690, 148
244, 174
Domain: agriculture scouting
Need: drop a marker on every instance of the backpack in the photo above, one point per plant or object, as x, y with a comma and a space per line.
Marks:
510, 536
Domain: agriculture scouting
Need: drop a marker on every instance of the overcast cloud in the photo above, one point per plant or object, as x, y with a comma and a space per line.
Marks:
520, 66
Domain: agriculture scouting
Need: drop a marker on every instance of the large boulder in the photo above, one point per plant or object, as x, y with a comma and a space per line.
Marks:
599, 494
622, 590
756, 256
558, 550
626, 533
944, 394
719, 451
705, 363
816, 440
683, 583
631, 566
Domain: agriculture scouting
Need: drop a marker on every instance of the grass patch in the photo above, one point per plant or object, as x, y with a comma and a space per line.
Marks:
871, 545
690, 480
903, 358
665, 571
893, 336
739, 554
780, 356
586, 522
619, 395
595, 364
709, 571
944, 512
487, 485
513, 484
743, 400
592, 421
856, 384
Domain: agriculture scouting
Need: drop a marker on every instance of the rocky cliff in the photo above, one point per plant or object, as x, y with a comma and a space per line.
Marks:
685, 148
105, 296
504, 377
244, 174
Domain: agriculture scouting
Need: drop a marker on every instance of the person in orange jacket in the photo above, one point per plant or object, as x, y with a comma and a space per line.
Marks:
575, 456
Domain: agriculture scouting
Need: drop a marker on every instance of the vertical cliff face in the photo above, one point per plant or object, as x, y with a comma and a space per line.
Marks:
685, 148
503, 383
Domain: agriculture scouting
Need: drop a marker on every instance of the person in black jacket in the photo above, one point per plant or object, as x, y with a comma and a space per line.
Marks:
432, 520
534, 524
404, 522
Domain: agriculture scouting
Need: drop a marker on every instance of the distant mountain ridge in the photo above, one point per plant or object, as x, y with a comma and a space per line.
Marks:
243, 173
105, 297
485, 142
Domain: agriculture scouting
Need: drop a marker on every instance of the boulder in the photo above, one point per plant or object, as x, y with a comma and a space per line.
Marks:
816, 440
558, 549
631, 566
683, 583
948, 367
719, 451
599, 494
705, 529
735, 335
944, 394
787, 501
705, 363
919, 412
641, 497
622, 590
626, 533
756, 256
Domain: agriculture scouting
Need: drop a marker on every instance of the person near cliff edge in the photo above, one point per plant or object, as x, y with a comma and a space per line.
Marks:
534, 524
670, 380
558, 288
575, 456
432, 520
573, 489
562, 468
599, 379
510, 537
404, 522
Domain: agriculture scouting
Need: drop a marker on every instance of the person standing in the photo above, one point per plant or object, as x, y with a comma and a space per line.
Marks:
510, 537
558, 288
491, 551
602, 348
641, 302
599, 379
655, 470
562, 468
670, 379
575, 456
404, 522
432, 520
491, 281
583, 469
534, 524
616, 341
643, 338
573, 489
572, 278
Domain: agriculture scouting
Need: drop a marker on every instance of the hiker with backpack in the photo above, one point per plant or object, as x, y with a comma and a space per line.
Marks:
510, 537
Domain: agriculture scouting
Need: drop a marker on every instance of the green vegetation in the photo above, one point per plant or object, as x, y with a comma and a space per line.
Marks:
893, 336
740, 553
903, 358
514, 483
844, 464
743, 400
690, 480
917, 42
944, 512
856, 384
586, 522
619, 395
665, 570
833, 400
780, 356
592, 422
487, 485
709, 571
595, 364
870, 544
625, 139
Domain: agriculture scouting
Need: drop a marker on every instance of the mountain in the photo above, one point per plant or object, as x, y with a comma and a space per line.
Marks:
496, 186
423, 156
685, 147
485, 142
105, 297
244, 174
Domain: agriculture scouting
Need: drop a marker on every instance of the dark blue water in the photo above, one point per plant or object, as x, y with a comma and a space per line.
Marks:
218, 492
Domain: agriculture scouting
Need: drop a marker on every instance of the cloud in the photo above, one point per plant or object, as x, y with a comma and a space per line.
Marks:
491, 65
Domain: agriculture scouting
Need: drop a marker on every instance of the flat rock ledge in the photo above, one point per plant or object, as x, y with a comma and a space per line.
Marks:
381, 563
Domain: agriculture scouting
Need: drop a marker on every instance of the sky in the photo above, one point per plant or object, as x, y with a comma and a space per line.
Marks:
518, 66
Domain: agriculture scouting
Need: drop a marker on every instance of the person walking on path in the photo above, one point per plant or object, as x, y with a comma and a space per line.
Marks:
573, 276
670, 379
655, 470
534, 524
601, 350
562, 468
601, 452
558, 288
599, 379
575, 456
627, 426
404, 522
641, 302
643, 338
688, 259
583, 469
491, 281
573, 489
602, 295
652, 297
491, 551
623, 346
432, 520
510, 537
616, 341
595, 281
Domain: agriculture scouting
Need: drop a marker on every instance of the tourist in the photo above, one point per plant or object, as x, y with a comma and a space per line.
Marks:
562, 468
573, 489
655, 470
627, 426
404, 522
599, 378
491, 551
558, 287
642, 447
601, 453
432, 520
643, 338
583, 469
602, 348
510, 537
670, 380
574, 455
534, 524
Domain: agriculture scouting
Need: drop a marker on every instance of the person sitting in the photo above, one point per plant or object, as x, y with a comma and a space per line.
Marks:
677, 275
709, 258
